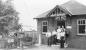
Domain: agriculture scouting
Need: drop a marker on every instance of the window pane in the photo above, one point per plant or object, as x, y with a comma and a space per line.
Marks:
44, 23
83, 21
79, 22
81, 29
44, 28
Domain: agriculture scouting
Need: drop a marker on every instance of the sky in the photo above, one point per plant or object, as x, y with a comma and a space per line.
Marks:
28, 9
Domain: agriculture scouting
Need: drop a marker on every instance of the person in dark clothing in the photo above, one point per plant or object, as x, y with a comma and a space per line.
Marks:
49, 41
62, 41
48, 35
55, 40
52, 40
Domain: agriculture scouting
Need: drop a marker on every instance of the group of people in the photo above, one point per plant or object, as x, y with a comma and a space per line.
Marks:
56, 36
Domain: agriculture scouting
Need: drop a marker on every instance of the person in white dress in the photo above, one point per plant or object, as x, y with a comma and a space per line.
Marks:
58, 32
62, 31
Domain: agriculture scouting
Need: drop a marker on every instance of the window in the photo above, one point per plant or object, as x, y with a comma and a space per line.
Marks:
81, 25
44, 26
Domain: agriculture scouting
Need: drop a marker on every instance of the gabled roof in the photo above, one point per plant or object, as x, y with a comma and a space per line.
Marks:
47, 13
43, 15
71, 7
74, 7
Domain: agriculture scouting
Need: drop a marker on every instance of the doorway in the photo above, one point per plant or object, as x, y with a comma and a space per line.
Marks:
61, 23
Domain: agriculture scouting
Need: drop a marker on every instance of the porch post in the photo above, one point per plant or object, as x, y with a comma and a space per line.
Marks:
39, 40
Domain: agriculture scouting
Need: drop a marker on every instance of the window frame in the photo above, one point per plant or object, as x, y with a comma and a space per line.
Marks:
44, 25
78, 26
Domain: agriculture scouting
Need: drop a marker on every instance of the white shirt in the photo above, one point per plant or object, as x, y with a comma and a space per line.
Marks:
10, 40
58, 35
62, 33
54, 33
58, 30
48, 34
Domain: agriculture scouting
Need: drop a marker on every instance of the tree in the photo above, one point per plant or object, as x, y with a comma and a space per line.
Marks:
8, 18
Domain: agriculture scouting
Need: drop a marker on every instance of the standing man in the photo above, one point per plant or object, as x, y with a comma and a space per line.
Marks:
54, 37
62, 41
48, 35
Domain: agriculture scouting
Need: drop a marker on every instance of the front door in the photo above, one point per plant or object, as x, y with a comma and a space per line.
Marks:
61, 23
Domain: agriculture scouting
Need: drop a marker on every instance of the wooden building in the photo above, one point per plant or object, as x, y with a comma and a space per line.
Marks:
72, 15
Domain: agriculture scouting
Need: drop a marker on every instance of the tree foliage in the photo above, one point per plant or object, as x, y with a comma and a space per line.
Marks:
8, 18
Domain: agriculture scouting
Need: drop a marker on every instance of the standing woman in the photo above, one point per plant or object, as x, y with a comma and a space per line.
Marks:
58, 34
62, 32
